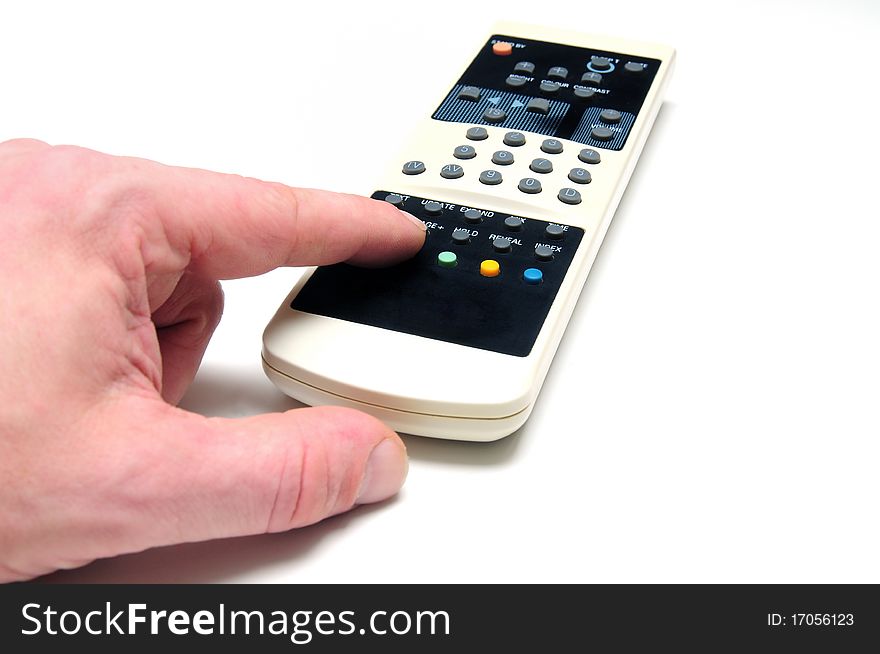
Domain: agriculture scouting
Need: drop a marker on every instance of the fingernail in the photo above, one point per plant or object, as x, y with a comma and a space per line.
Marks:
418, 223
385, 472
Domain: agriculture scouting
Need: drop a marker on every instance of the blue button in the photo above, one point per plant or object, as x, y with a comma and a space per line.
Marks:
532, 276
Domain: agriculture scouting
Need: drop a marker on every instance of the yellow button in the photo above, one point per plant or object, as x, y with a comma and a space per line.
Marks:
502, 48
490, 268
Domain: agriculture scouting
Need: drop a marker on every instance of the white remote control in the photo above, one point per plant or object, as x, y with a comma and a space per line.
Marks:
517, 174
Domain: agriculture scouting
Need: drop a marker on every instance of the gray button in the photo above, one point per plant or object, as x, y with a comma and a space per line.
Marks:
490, 177
609, 116
514, 139
526, 67
413, 168
513, 223
580, 176
581, 92
569, 196
529, 185
555, 231
549, 87
551, 146
502, 158
451, 171
602, 134
591, 78
473, 216
477, 133
514, 81
538, 106
544, 253
471, 93
433, 208
541, 166
601, 64
395, 199
460, 236
465, 152
557, 72
633, 67
501, 244
590, 156
494, 115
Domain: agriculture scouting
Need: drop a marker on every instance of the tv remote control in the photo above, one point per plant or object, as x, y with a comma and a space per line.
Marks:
517, 174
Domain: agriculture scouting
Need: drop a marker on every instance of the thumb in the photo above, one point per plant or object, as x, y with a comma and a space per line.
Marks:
198, 478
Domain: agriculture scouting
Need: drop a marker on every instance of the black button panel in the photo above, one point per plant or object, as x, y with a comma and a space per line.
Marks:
456, 303
550, 89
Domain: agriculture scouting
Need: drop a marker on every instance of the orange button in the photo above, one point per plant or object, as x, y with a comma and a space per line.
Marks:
490, 268
502, 48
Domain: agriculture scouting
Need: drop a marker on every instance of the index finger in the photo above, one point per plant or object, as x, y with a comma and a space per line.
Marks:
229, 226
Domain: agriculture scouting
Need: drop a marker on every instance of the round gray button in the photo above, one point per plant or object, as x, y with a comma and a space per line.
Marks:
557, 72
494, 115
413, 168
501, 244
633, 67
580, 176
395, 199
551, 146
514, 139
549, 87
541, 166
590, 156
602, 134
555, 231
473, 216
502, 158
513, 223
585, 94
451, 171
526, 67
490, 177
477, 133
464, 152
514, 81
529, 185
461, 236
544, 253
591, 78
601, 64
569, 196
433, 208
609, 116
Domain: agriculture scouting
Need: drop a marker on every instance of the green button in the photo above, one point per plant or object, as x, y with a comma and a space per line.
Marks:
447, 259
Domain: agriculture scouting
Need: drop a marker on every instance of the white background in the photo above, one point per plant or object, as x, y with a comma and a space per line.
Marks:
711, 415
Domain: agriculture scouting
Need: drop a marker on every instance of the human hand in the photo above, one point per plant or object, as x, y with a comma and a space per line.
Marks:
109, 268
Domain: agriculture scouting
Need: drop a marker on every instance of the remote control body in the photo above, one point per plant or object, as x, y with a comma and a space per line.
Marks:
517, 175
